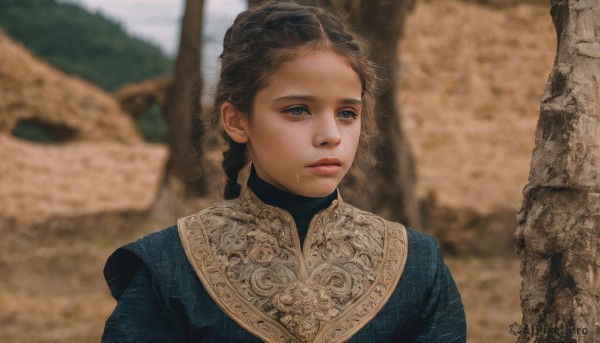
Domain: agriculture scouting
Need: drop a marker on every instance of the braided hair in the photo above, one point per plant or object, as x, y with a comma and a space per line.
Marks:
260, 40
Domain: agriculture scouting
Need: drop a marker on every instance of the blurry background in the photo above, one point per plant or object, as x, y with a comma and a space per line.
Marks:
82, 171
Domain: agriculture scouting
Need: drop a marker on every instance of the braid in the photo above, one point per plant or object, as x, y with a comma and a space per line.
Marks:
234, 159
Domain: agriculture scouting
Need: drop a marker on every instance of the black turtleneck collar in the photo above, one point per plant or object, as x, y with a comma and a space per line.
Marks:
302, 208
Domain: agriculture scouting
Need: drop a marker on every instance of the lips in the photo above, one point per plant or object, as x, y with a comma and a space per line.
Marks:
327, 162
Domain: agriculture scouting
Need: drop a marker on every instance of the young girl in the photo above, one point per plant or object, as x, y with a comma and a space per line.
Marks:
285, 259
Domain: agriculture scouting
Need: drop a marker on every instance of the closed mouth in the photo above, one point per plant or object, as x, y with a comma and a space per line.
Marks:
327, 162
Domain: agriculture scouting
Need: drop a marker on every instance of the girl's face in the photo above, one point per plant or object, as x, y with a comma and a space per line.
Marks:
304, 129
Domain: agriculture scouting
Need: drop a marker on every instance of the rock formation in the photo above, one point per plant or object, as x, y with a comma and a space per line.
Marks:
137, 98
32, 90
103, 166
41, 182
558, 237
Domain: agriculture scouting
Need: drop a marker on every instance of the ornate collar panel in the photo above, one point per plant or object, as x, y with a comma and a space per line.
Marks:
249, 259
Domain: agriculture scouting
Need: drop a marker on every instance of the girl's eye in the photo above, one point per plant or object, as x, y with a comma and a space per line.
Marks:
347, 114
296, 111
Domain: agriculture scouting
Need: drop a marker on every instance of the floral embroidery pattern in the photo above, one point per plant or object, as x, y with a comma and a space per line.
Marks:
248, 257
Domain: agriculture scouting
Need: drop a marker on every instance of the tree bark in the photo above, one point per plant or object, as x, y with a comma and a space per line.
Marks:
183, 106
390, 191
558, 238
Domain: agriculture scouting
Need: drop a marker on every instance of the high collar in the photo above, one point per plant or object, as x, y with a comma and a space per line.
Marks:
302, 208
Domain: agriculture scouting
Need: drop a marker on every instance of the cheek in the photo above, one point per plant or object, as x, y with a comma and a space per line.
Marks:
276, 144
263, 133
355, 135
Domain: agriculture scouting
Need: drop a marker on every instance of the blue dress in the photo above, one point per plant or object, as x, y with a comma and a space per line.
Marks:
160, 297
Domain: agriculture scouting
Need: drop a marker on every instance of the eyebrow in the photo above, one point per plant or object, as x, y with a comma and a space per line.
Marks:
345, 101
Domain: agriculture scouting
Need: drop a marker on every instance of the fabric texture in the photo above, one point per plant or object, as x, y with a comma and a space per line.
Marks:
160, 298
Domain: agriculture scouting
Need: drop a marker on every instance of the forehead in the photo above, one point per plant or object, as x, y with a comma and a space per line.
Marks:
315, 71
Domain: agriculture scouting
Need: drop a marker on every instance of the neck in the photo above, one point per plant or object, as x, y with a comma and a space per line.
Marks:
302, 208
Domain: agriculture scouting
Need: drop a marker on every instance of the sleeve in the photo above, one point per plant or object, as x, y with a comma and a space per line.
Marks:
140, 316
442, 319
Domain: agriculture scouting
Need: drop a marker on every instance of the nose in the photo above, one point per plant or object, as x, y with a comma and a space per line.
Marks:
326, 131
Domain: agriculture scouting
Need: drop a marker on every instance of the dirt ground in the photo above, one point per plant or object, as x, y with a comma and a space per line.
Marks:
52, 288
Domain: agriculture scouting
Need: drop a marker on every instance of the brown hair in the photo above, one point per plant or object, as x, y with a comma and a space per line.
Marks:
260, 40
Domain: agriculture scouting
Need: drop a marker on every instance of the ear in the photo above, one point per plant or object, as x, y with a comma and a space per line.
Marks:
235, 122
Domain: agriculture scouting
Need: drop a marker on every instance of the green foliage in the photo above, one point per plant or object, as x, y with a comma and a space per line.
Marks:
87, 45
82, 43
38, 131
152, 125
32, 132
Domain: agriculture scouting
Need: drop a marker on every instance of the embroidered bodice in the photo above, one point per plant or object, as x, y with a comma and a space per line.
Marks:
249, 258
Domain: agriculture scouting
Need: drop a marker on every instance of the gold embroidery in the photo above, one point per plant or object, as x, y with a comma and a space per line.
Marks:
248, 257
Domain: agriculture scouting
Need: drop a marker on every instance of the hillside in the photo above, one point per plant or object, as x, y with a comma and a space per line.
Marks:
81, 43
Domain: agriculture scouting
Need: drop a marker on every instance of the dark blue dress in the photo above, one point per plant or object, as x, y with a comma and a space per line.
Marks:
160, 298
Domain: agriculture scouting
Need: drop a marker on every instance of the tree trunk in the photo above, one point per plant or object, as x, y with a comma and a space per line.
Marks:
558, 237
183, 106
381, 23
392, 180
